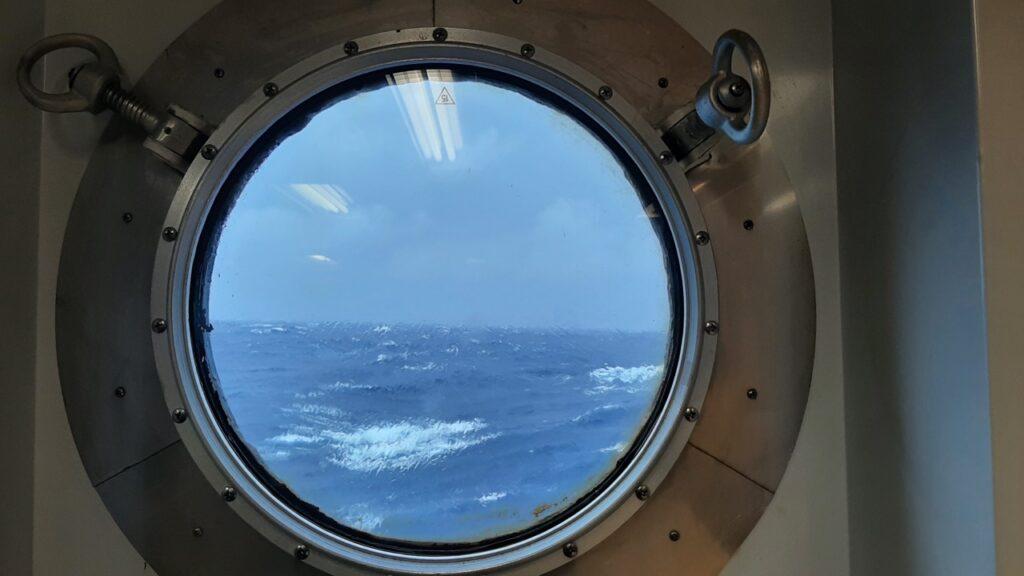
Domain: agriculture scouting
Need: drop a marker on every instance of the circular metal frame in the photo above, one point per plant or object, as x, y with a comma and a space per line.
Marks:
202, 270
172, 277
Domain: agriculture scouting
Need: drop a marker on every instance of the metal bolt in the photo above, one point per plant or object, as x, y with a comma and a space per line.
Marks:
691, 414
218, 72
642, 492
229, 494
666, 157
711, 327
737, 89
301, 552
752, 393
440, 34
748, 224
527, 50
702, 238
570, 550
663, 82
159, 325
170, 234
209, 152
605, 92
351, 47
179, 415
120, 392
127, 217
197, 532
270, 90
673, 535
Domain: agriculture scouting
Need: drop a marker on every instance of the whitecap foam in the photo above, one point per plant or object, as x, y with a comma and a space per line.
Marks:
595, 412
492, 497
266, 329
633, 375
357, 517
429, 366
403, 446
618, 448
339, 385
294, 438
309, 395
275, 455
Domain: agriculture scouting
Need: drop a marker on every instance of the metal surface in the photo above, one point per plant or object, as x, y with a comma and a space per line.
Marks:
630, 44
712, 509
96, 86
163, 500
766, 322
90, 94
724, 102
721, 101
206, 440
104, 316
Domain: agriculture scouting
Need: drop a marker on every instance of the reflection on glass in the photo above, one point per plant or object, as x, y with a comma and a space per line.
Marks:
440, 310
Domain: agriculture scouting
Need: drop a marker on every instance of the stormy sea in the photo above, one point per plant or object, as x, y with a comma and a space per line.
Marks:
433, 433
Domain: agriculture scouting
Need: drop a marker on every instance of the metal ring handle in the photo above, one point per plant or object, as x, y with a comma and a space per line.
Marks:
67, 101
733, 123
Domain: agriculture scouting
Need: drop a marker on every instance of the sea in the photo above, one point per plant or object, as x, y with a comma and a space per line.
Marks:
436, 434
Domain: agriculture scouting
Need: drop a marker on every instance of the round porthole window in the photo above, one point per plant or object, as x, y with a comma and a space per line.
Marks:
436, 308
433, 305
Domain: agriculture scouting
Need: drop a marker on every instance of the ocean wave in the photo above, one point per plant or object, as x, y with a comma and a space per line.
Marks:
309, 395
636, 374
403, 446
295, 438
266, 329
492, 497
595, 414
360, 519
382, 329
383, 358
429, 366
339, 385
275, 455
629, 380
618, 448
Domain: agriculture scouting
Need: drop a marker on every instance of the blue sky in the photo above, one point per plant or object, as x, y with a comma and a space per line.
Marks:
486, 208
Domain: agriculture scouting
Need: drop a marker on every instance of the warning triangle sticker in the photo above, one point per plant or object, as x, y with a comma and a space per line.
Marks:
445, 98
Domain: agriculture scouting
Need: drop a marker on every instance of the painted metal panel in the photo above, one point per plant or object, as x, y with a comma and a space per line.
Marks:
755, 405
182, 526
631, 45
711, 507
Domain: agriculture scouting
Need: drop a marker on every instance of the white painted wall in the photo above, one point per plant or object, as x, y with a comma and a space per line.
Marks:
999, 26
914, 331
22, 23
804, 530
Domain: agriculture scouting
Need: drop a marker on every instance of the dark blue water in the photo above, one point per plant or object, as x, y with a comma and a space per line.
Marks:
436, 434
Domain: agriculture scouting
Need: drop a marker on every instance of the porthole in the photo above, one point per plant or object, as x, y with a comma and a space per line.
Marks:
476, 374
431, 291
436, 308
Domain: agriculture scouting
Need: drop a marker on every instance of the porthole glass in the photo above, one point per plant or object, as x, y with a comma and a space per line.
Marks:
436, 307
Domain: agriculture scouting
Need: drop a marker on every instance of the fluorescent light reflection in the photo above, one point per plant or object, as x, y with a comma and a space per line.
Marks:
326, 197
429, 105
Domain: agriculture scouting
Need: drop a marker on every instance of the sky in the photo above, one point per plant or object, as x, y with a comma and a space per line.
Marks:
437, 197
